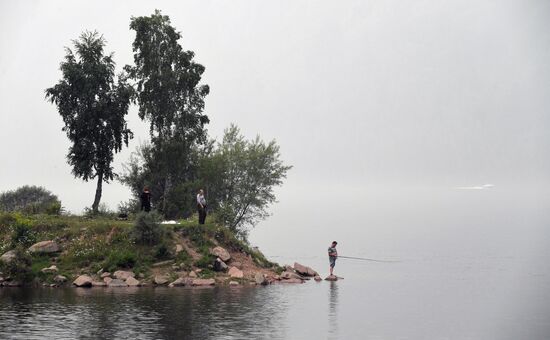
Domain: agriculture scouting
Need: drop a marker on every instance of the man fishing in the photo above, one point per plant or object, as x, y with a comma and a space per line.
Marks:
332, 255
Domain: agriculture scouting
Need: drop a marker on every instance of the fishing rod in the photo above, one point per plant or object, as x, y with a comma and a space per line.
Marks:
364, 259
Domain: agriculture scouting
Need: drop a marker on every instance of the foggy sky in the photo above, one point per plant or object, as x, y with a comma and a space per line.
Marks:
359, 94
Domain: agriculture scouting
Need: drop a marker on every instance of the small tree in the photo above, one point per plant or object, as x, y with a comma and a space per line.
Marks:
92, 105
241, 175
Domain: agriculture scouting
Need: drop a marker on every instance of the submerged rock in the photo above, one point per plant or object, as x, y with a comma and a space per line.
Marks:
117, 283
331, 278
260, 279
317, 278
203, 282
293, 280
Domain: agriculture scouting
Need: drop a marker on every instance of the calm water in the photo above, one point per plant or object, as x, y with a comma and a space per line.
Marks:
474, 265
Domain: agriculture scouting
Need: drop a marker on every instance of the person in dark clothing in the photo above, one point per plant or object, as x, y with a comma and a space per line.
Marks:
201, 206
332, 256
145, 200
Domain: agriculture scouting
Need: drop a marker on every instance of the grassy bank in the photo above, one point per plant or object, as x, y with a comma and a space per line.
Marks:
92, 245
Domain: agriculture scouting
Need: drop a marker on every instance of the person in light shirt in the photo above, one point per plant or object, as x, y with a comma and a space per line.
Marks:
201, 206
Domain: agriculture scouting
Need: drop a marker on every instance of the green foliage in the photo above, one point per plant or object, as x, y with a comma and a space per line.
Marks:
93, 105
205, 261
30, 200
22, 235
171, 98
18, 269
147, 229
162, 251
240, 176
120, 258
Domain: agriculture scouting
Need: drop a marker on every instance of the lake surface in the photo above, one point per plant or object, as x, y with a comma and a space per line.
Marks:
473, 265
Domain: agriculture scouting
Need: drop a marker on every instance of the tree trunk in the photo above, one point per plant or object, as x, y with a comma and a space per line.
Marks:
95, 206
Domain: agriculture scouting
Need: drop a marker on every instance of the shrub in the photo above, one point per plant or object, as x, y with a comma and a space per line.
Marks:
162, 252
22, 234
120, 258
147, 229
30, 200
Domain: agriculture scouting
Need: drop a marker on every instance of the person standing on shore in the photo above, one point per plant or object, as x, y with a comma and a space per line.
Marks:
201, 206
145, 198
332, 255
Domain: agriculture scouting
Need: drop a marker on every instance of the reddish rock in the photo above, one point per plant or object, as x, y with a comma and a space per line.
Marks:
221, 253
332, 278
44, 247
98, 284
104, 275
304, 270
235, 272
203, 282
107, 279
117, 283
182, 281
132, 282
160, 280
83, 281
123, 275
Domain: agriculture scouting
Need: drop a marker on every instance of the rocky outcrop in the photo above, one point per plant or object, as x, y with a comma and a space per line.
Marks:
221, 253
236, 273
83, 281
8, 256
44, 247
304, 270
123, 275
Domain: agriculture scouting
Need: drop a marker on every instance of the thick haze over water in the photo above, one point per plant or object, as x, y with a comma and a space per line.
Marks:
417, 131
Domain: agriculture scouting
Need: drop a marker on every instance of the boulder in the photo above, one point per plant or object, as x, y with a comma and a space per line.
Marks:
60, 279
235, 272
8, 256
179, 248
290, 275
83, 281
132, 282
50, 269
260, 279
221, 253
182, 281
292, 281
317, 278
45, 247
233, 283
117, 283
193, 274
13, 284
160, 280
98, 284
1, 279
237, 264
107, 279
332, 278
219, 265
104, 275
203, 282
304, 270
123, 275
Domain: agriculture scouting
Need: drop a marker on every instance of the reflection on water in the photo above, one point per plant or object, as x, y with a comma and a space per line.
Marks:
333, 311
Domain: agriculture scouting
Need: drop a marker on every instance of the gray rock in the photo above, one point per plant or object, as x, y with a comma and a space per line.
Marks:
8, 256
160, 280
182, 281
290, 275
51, 269
44, 247
83, 281
221, 253
104, 275
317, 278
260, 279
332, 278
233, 283
123, 275
304, 270
98, 284
107, 279
60, 279
132, 282
219, 265
117, 283
203, 282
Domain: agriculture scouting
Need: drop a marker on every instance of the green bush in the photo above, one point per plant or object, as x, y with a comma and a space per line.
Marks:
22, 234
120, 258
30, 200
147, 229
162, 252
